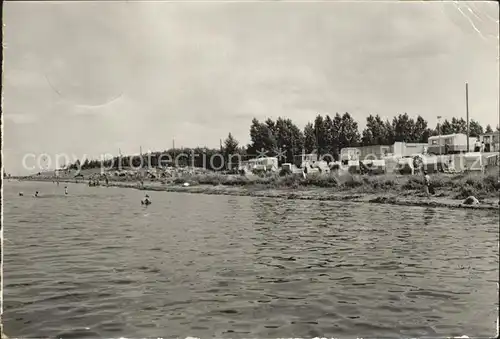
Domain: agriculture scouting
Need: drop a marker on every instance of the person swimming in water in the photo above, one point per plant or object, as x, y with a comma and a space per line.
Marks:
146, 200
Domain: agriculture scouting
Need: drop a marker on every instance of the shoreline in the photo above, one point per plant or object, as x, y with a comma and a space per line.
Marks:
303, 193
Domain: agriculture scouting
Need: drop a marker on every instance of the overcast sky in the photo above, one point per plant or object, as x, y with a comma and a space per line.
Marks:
93, 77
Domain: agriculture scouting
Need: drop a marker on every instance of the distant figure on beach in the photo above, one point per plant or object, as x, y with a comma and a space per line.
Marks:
66, 190
427, 184
57, 182
21, 194
36, 194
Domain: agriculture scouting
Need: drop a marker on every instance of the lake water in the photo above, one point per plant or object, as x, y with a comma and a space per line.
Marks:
97, 263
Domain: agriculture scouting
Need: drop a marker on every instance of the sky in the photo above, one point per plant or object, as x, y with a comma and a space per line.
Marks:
92, 78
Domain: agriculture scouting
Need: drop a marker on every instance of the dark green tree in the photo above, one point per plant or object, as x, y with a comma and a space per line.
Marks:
320, 134
475, 128
375, 132
230, 151
349, 133
404, 128
309, 138
332, 127
421, 132
445, 128
459, 125
295, 142
230, 145
262, 139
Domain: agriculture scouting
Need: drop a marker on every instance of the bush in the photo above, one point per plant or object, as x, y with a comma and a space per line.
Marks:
477, 184
413, 183
352, 182
179, 181
491, 182
321, 181
467, 191
382, 183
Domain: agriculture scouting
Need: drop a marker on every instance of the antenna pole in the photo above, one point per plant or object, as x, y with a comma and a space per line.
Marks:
467, 112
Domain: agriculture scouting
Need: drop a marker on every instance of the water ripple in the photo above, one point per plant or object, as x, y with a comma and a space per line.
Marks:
97, 264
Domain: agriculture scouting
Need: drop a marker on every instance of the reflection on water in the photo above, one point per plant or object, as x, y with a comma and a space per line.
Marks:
429, 214
97, 263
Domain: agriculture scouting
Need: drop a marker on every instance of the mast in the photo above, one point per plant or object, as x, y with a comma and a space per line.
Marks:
467, 112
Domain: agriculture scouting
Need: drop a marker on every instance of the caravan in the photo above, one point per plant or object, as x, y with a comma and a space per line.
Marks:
450, 144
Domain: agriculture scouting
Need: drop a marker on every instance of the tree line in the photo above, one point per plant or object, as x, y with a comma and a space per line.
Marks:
282, 137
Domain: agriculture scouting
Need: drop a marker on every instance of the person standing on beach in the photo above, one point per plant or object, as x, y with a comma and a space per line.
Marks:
477, 145
427, 184
66, 190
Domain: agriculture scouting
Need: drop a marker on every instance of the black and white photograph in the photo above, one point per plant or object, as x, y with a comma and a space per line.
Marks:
250, 169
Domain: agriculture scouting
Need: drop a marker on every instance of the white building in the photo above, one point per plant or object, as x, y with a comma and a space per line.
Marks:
260, 164
491, 141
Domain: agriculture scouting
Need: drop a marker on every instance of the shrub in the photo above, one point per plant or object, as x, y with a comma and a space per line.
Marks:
413, 183
179, 181
466, 191
382, 183
491, 182
321, 181
352, 182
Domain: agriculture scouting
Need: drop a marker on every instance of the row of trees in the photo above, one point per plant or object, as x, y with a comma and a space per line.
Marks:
283, 138
328, 135
212, 159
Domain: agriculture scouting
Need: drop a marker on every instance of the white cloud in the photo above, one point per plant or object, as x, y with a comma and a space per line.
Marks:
20, 119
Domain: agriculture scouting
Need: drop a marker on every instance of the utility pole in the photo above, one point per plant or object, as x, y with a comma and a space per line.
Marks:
467, 112
140, 155
119, 159
439, 131
173, 150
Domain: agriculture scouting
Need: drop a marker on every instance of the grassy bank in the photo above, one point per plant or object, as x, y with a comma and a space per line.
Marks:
457, 186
